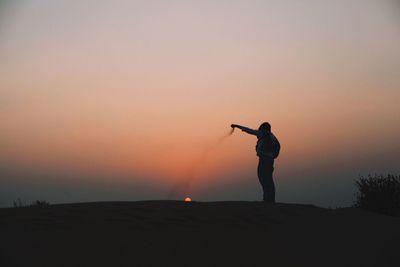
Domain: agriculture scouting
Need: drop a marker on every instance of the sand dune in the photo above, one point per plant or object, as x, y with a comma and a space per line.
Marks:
172, 233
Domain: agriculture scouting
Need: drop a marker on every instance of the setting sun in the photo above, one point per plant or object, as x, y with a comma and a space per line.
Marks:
188, 199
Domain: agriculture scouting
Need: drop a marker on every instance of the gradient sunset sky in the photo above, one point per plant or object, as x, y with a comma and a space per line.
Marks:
119, 100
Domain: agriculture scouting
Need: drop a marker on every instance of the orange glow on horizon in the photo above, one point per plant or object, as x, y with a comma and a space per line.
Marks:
188, 199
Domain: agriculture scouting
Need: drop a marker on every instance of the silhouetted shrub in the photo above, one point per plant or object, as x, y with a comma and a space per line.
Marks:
38, 203
18, 203
379, 193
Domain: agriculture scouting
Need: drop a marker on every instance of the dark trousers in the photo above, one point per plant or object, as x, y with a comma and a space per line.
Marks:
264, 171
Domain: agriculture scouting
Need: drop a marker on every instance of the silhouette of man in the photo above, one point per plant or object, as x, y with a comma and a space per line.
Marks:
267, 149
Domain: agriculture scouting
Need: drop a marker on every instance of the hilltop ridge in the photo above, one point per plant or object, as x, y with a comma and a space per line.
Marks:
177, 233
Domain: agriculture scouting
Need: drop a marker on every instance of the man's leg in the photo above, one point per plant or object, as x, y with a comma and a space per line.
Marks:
260, 174
265, 170
270, 186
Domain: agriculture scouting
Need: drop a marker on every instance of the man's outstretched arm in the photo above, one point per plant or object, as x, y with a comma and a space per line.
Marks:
245, 129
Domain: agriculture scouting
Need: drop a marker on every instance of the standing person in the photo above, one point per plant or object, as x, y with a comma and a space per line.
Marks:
267, 149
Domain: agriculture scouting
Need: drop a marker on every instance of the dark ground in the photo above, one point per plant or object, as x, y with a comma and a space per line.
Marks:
172, 233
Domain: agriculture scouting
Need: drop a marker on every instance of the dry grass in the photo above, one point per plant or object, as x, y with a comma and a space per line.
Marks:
379, 193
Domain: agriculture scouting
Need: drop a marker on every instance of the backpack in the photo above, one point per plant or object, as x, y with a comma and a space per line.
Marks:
276, 146
270, 146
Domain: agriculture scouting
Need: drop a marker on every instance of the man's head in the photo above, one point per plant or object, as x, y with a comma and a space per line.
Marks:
265, 127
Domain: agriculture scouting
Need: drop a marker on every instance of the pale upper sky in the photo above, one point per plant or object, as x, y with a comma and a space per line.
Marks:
110, 100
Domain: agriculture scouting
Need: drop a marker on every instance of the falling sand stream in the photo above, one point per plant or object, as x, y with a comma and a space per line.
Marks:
182, 188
